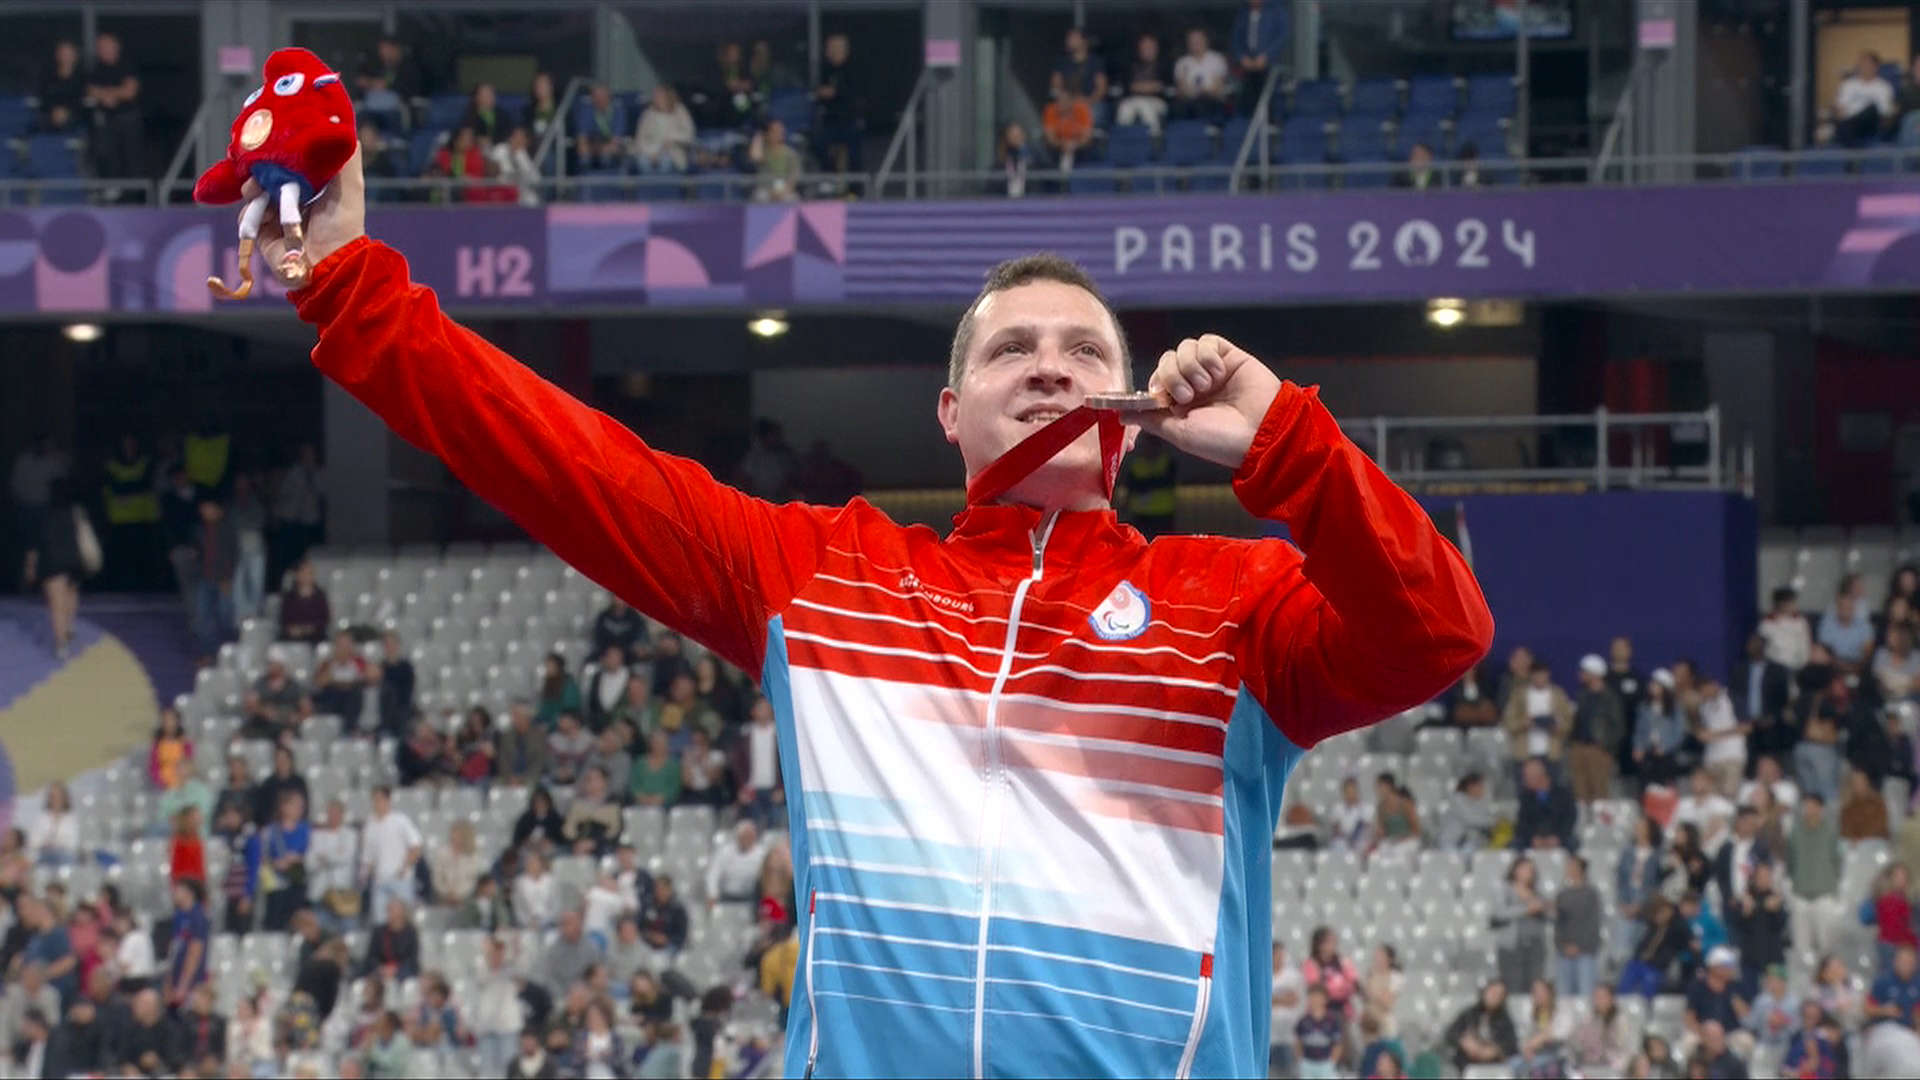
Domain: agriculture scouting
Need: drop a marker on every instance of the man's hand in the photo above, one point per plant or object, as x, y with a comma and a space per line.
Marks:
334, 220
1220, 395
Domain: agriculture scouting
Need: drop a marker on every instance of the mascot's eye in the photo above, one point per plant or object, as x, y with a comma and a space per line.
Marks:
253, 97
289, 84
326, 80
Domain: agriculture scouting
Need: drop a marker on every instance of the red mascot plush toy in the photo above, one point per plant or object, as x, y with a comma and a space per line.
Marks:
293, 135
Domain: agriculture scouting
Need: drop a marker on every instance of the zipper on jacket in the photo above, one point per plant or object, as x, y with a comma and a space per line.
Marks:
990, 816
813, 1036
1202, 998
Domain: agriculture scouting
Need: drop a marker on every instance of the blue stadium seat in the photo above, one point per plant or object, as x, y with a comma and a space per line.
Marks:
444, 111
582, 116
1436, 95
1880, 163
16, 116
1092, 180
1426, 128
1188, 143
1482, 130
1497, 167
1234, 135
513, 104
53, 157
1302, 135
793, 108
1219, 179
1129, 145
1317, 98
1375, 98
1495, 95
1362, 140
420, 148
1822, 163
1374, 174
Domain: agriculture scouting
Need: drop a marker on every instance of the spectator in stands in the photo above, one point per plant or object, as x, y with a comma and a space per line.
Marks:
489, 123
1599, 1043
619, 626
1200, 81
1809, 1051
1148, 82
463, 161
1637, 879
1259, 42
340, 683
776, 163
599, 142
1483, 1032
540, 825
1864, 107
113, 93
1289, 994
27, 992
570, 956
683, 713
1520, 925
511, 162
216, 557
1813, 866
535, 897
188, 943
558, 692
331, 861
283, 862
656, 776
395, 678
597, 1049
1467, 820
393, 949
1734, 860
54, 836
1893, 914
248, 516
1012, 156
1420, 173
233, 826
473, 747
1577, 916
1896, 992
495, 1008
147, 1042
389, 1053
543, 105
1548, 1026
1724, 735
1715, 1058
522, 757
1715, 997
569, 744
485, 908
1758, 921
380, 157
304, 611
663, 918
1328, 970
1396, 822
62, 94
1352, 819
285, 777
665, 135
1547, 815
1863, 816
593, 822
766, 472
703, 771
1599, 725
754, 765
1846, 628
1538, 716
299, 512
390, 846
1320, 1037
733, 874
1663, 939
611, 758
715, 687
1067, 123
387, 81
1774, 1013
1786, 631
456, 868
606, 685
1078, 74
1896, 668
836, 104
1471, 703
1833, 988
1380, 991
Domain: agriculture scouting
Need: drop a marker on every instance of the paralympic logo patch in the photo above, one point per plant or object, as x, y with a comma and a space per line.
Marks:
1124, 614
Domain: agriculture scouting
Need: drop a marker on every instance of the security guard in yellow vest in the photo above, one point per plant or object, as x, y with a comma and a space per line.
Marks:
207, 453
1150, 475
133, 516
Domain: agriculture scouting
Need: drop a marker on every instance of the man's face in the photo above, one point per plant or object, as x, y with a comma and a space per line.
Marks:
107, 48
1536, 776
381, 801
837, 49
1037, 351
1196, 43
1076, 42
570, 925
1866, 67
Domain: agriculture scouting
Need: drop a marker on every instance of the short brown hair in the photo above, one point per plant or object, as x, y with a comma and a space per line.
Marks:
1025, 270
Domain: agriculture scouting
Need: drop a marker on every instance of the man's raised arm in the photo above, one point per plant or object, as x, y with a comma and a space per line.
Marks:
656, 530
1382, 615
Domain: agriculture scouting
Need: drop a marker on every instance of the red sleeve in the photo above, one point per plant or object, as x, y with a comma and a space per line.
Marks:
1382, 613
656, 530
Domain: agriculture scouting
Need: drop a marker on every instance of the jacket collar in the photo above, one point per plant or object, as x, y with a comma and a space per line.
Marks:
1003, 536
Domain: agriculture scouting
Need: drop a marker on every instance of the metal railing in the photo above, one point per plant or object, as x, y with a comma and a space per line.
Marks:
1259, 132
556, 133
905, 145
1600, 450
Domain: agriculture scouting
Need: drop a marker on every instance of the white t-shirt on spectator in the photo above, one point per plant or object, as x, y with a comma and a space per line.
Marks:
1202, 75
135, 956
1785, 792
1285, 1017
1350, 824
1789, 639
51, 832
384, 844
1857, 93
604, 906
735, 874
763, 757
534, 901
330, 861
1716, 715
1539, 703
1701, 811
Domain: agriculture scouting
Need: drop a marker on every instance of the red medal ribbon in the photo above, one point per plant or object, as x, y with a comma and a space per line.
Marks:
1039, 448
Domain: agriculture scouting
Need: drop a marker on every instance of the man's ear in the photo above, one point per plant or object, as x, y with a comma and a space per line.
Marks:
949, 413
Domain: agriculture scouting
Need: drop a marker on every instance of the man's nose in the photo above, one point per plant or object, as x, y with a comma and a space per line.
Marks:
1049, 369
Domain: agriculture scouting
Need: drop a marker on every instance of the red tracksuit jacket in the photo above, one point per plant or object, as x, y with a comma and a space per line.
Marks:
1034, 767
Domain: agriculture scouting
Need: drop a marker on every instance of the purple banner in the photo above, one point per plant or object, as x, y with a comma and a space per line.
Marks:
1144, 251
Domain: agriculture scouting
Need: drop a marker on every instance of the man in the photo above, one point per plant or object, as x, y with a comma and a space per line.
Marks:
276, 704
1896, 994
1813, 866
149, 1043
1758, 921
390, 846
1599, 726
1863, 107
1043, 627
49, 946
1847, 628
1788, 635
523, 756
1547, 814
1735, 859
836, 106
1576, 934
1725, 736
1714, 1059
28, 993
663, 918
189, 942
1713, 998
113, 91
1763, 688
734, 874
753, 761
1261, 36
570, 955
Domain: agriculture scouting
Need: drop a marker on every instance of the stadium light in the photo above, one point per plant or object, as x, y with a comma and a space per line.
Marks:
770, 325
83, 332
1446, 312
